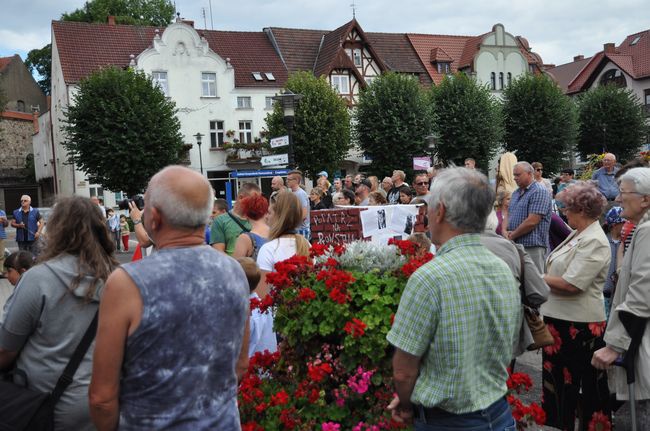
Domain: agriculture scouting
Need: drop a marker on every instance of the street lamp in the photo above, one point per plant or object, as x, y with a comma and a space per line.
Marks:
289, 101
432, 144
198, 137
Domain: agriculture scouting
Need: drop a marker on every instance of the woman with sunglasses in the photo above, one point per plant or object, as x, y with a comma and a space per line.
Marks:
537, 174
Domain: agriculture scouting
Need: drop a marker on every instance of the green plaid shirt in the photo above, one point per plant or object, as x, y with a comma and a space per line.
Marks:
461, 314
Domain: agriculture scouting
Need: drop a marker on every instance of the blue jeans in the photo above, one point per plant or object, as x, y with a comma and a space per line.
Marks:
496, 417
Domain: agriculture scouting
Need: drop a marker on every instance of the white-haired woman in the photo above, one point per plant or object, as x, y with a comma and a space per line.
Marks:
632, 295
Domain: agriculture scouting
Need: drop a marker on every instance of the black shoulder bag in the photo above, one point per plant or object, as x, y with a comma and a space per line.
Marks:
22, 408
243, 228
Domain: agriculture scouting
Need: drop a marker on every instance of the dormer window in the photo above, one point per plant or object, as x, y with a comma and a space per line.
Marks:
257, 76
635, 40
443, 67
269, 76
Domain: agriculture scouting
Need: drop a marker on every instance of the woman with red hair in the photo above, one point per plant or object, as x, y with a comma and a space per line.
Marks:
254, 209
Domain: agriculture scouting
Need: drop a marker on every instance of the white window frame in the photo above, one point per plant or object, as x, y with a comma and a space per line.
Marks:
369, 79
217, 133
356, 55
443, 67
159, 78
338, 80
268, 103
208, 84
244, 102
245, 131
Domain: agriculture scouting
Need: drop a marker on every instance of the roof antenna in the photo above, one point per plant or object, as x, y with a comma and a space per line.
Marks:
205, 22
354, 10
211, 22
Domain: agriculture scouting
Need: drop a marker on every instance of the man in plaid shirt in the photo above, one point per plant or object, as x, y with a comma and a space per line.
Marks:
457, 319
529, 214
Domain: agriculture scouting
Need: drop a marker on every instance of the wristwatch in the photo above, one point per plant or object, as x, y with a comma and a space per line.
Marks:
137, 222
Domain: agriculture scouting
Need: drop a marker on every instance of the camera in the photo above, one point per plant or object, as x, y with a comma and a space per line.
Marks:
138, 200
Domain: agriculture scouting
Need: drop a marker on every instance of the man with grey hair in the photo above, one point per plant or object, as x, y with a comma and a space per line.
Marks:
398, 178
28, 224
604, 176
174, 321
529, 214
457, 319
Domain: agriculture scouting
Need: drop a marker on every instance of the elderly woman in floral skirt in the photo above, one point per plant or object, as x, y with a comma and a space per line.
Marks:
574, 313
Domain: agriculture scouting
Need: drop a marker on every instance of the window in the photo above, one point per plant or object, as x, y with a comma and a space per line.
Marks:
160, 79
500, 80
531, 68
369, 79
493, 81
268, 102
96, 191
509, 79
269, 76
443, 67
257, 76
356, 57
635, 41
341, 83
613, 77
646, 97
20, 106
208, 84
216, 134
244, 102
120, 196
245, 132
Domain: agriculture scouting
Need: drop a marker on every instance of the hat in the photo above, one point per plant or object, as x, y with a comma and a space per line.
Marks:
614, 216
366, 182
323, 174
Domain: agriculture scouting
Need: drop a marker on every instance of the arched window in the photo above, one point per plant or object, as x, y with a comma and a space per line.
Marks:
613, 77
20, 106
493, 81
500, 80
509, 79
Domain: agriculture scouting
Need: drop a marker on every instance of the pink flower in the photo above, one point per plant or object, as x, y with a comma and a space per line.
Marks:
360, 382
330, 426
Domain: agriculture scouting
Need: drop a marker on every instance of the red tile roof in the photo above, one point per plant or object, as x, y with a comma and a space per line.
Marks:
329, 49
453, 46
632, 59
438, 55
298, 47
398, 54
85, 48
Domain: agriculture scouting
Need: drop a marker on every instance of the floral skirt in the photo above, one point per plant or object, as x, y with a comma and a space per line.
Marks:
571, 386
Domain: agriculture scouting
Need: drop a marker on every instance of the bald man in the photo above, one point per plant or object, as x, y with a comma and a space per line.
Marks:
604, 176
277, 185
174, 321
27, 221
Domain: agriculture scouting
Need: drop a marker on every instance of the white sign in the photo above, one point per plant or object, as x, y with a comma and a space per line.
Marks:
275, 159
280, 141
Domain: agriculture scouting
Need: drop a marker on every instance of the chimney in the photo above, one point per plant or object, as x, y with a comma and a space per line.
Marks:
111, 20
188, 22
578, 57
609, 48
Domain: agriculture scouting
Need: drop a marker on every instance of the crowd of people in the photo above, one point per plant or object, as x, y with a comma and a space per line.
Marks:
175, 331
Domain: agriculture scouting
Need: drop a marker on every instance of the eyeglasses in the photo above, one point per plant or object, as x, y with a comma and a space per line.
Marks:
539, 170
422, 183
291, 179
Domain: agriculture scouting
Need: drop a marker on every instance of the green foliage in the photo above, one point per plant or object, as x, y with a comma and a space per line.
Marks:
321, 134
467, 121
40, 61
121, 129
135, 12
540, 122
393, 113
611, 120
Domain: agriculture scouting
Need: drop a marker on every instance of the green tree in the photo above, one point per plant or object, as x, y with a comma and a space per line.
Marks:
321, 133
135, 12
540, 122
393, 118
121, 129
611, 120
467, 121
40, 61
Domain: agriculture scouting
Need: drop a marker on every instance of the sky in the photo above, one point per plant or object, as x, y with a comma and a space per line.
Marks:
556, 29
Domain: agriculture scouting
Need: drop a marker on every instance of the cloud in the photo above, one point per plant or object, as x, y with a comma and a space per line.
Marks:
12, 42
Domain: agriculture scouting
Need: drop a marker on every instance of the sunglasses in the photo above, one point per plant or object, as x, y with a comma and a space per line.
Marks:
422, 183
539, 170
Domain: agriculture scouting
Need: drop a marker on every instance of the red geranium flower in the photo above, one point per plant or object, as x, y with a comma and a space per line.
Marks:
318, 249
355, 327
280, 398
538, 414
339, 296
406, 248
597, 328
551, 350
319, 372
600, 422
573, 332
519, 382
288, 418
306, 294
251, 426
548, 366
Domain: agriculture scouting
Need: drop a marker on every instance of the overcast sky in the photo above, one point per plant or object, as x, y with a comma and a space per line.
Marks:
555, 29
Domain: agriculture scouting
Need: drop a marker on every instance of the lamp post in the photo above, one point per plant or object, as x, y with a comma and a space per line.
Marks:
432, 144
198, 137
289, 101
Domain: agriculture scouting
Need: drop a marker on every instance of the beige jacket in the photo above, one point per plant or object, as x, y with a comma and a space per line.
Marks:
633, 295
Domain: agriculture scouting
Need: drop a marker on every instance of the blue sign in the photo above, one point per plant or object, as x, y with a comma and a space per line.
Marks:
260, 173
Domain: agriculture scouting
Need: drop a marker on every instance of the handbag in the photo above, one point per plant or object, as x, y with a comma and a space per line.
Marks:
22, 408
541, 335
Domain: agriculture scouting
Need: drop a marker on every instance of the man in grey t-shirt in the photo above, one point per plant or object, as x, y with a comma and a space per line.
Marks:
293, 181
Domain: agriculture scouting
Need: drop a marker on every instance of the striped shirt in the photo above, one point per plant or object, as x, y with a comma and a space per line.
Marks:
461, 314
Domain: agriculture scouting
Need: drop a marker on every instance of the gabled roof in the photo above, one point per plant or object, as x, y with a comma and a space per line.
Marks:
86, 47
453, 46
329, 49
4, 62
564, 73
633, 59
298, 47
398, 54
438, 55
